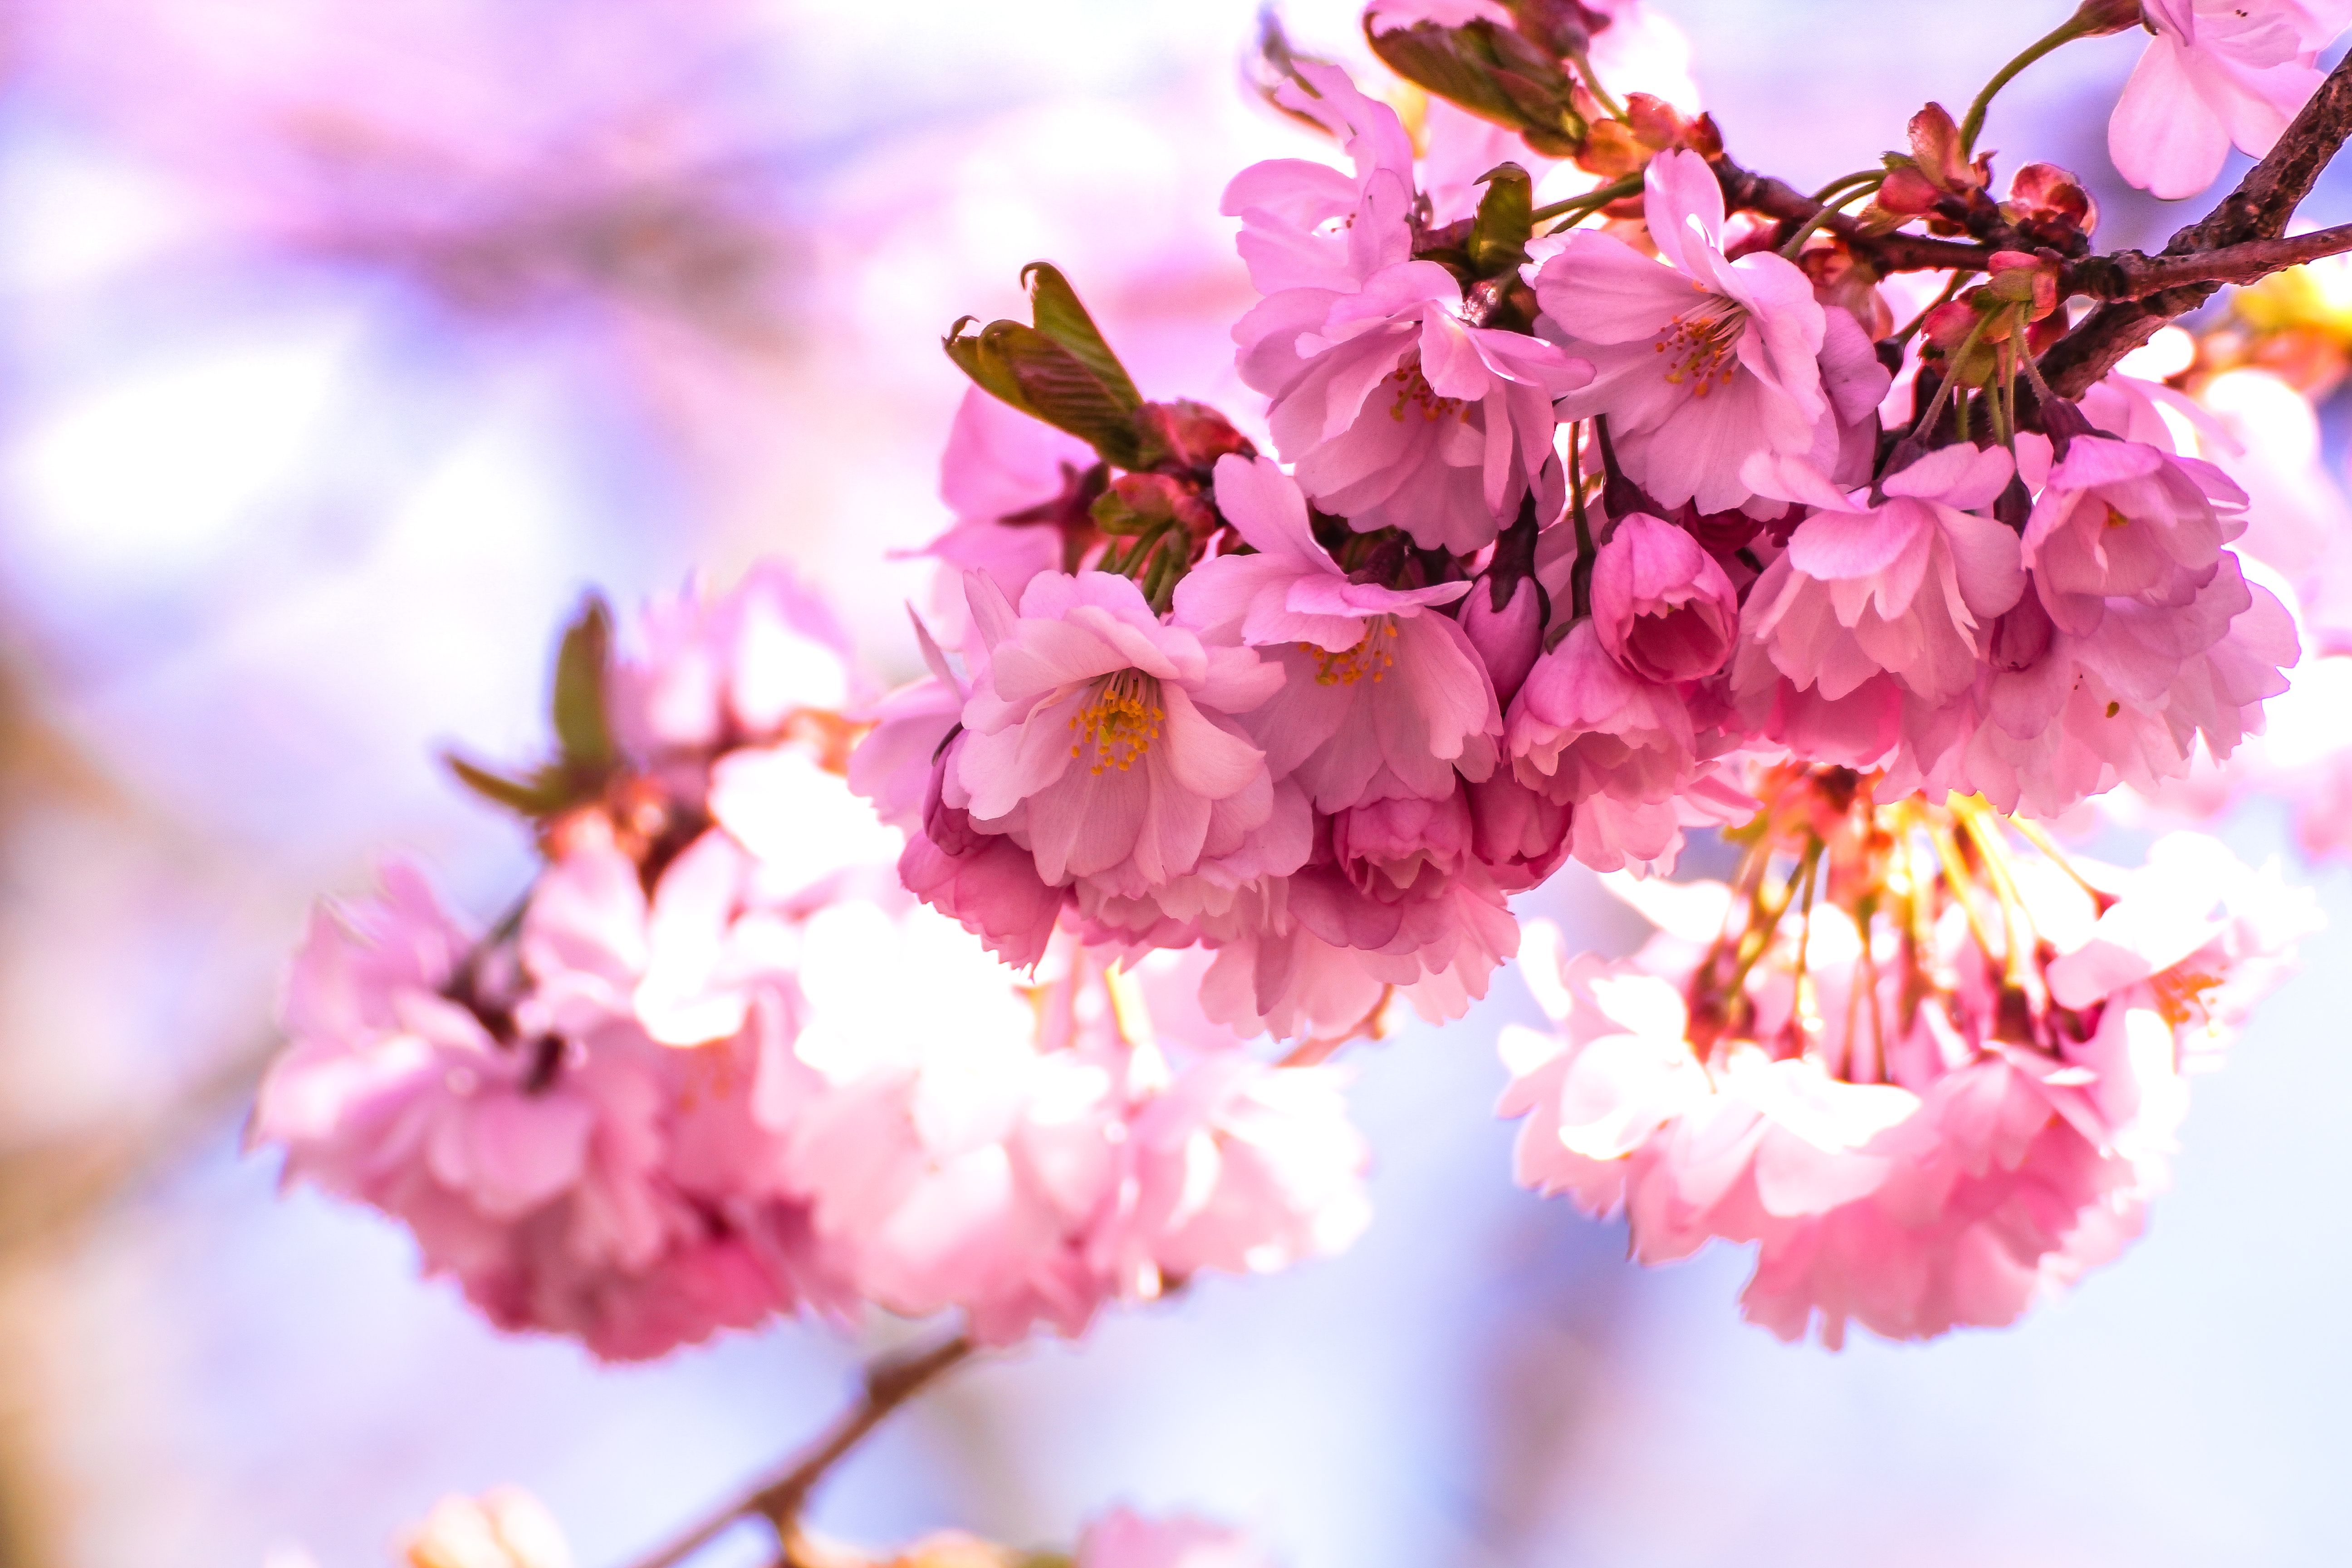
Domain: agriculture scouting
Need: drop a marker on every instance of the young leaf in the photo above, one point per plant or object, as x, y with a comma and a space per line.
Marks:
1498, 239
1055, 307
539, 798
582, 733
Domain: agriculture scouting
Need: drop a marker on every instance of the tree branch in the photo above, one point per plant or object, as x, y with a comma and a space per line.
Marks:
2130, 275
889, 1382
2258, 209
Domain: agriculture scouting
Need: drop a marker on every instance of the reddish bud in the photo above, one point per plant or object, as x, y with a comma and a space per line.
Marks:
1909, 192
1949, 324
2049, 207
2097, 17
1936, 149
1195, 434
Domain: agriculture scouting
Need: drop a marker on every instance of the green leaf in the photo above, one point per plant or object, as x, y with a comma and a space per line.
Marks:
1057, 386
990, 374
1433, 58
1053, 306
1498, 239
1060, 371
544, 797
582, 733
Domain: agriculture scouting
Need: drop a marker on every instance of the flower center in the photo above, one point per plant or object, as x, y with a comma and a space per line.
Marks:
1701, 343
1122, 720
1371, 656
1413, 388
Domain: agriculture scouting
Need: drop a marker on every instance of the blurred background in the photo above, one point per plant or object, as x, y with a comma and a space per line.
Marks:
343, 343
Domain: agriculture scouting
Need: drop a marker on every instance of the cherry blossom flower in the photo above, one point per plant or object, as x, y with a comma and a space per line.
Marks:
1019, 489
1908, 589
1398, 411
1619, 750
590, 1182
1307, 225
2217, 73
1381, 693
1917, 1142
1104, 742
1701, 363
1028, 1153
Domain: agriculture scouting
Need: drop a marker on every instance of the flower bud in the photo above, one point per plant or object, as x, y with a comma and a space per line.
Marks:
2097, 17
1508, 639
1663, 607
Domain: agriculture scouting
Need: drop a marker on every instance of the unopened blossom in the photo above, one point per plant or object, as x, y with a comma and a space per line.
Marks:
1381, 693
1918, 1140
1398, 410
1702, 362
2217, 73
1662, 605
506, 1527
1028, 1153
1105, 742
1124, 1539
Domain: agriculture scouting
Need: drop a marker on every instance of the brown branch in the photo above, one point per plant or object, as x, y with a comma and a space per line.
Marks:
889, 1382
2258, 209
2130, 275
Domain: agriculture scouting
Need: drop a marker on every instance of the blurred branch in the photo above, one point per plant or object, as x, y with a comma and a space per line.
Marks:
47, 1189
890, 1382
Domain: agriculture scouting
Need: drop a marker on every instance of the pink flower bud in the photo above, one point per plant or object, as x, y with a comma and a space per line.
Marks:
1388, 846
1508, 639
1663, 608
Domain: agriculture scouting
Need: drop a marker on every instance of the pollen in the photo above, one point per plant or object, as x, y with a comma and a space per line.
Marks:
1374, 657
2117, 519
1700, 346
1413, 391
1120, 721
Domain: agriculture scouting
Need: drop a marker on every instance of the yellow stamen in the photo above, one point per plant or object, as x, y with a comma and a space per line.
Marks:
1121, 719
1371, 657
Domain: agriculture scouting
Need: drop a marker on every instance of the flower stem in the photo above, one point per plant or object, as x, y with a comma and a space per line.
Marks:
890, 1382
2073, 28
1587, 203
1795, 244
1583, 63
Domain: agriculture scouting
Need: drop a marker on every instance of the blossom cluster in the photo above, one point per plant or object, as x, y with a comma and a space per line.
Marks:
687, 1086
1570, 532
1933, 1076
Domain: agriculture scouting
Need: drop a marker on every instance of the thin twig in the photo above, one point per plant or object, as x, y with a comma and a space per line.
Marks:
889, 1382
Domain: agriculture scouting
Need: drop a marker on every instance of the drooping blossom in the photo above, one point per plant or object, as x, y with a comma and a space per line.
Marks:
1701, 363
1381, 692
1916, 1140
1030, 1152
1908, 589
1620, 751
2217, 73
